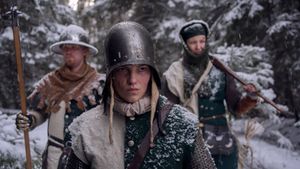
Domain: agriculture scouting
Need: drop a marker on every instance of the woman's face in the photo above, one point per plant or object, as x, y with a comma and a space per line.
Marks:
131, 81
197, 44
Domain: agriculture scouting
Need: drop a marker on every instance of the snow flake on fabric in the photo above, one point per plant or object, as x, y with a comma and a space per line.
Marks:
212, 84
171, 149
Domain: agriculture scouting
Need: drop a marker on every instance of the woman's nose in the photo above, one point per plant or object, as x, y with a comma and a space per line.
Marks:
132, 77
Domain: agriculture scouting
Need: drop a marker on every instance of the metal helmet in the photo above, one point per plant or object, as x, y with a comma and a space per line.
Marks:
129, 43
74, 35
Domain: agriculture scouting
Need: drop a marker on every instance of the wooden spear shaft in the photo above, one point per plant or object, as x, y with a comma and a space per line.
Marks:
21, 83
230, 72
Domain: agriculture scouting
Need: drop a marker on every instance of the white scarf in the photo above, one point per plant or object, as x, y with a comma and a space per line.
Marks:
142, 106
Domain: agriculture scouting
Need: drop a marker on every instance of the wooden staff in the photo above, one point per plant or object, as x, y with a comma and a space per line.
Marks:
15, 27
230, 72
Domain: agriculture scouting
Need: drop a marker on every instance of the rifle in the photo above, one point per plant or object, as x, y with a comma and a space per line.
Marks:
15, 27
230, 72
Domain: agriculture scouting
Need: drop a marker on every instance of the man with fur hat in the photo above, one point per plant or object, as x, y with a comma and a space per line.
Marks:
64, 94
197, 84
136, 127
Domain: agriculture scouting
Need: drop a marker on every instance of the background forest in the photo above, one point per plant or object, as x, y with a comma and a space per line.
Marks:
259, 39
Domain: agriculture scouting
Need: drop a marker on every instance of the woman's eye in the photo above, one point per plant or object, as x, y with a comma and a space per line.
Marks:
191, 43
144, 68
123, 70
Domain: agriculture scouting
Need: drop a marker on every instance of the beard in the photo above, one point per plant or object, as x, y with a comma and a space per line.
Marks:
195, 59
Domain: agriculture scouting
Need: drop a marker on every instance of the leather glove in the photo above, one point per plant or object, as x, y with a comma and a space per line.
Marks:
24, 122
251, 90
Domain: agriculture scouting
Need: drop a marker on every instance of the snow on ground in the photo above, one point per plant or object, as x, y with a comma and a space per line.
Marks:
271, 153
12, 140
268, 156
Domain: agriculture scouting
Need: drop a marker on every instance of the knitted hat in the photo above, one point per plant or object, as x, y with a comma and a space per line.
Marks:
194, 28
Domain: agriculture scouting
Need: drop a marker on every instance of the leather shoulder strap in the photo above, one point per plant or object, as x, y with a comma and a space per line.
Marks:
145, 145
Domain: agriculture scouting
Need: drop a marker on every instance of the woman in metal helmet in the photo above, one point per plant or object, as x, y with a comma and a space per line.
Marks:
63, 94
203, 88
135, 127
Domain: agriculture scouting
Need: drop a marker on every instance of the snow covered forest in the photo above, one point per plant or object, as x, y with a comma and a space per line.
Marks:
259, 39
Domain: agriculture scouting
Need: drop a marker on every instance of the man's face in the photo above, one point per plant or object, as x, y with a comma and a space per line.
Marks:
196, 44
74, 55
131, 81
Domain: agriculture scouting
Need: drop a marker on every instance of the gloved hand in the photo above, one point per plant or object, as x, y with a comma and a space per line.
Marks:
251, 90
24, 121
250, 101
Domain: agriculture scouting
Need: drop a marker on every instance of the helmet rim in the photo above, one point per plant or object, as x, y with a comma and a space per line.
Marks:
56, 47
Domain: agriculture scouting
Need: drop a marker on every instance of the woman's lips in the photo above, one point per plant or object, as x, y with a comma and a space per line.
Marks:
133, 90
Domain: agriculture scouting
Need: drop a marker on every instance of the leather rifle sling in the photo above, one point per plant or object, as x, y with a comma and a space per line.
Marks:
145, 144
